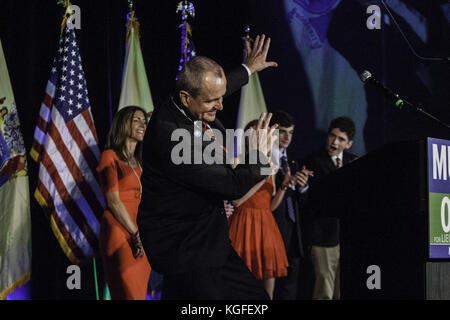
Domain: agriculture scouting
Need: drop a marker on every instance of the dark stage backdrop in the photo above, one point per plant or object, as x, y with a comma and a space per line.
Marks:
321, 47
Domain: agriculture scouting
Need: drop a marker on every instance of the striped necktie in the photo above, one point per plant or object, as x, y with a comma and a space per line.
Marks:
206, 129
338, 162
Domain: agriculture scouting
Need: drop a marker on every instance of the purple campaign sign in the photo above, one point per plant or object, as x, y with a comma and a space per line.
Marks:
439, 198
439, 251
438, 165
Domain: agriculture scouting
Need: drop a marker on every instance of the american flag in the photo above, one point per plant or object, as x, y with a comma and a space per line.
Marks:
66, 144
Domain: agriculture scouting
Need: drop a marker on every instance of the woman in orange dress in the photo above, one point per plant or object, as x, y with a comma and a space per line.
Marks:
125, 265
254, 232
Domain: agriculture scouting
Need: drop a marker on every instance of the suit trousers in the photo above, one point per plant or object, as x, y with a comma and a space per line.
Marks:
286, 288
327, 272
232, 281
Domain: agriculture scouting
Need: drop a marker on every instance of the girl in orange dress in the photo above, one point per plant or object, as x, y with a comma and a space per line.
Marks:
254, 232
125, 265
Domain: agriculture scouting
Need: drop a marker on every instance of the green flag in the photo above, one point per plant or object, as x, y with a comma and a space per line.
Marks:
252, 102
135, 88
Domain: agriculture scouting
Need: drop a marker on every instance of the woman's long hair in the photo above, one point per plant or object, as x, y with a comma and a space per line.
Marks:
120, 130
249, 125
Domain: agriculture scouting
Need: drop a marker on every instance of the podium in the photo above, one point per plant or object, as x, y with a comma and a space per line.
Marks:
383, 202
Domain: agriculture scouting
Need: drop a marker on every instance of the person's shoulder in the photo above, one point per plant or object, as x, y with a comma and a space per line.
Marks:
108, 156
166, 114
317, 161
163, 122
163, 103
163, 125
350, 156
160, 110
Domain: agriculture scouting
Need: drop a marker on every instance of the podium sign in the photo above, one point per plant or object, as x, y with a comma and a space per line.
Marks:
439, 197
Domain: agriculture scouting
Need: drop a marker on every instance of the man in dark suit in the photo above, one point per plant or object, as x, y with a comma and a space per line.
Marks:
181, 219
287, 214
324, 231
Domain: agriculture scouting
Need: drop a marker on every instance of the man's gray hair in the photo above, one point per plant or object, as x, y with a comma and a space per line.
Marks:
191, 76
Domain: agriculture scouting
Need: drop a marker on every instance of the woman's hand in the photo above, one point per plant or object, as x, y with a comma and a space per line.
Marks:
229, 208
136, 245
288, 179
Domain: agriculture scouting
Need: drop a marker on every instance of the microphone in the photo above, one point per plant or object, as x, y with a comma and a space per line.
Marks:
367, 78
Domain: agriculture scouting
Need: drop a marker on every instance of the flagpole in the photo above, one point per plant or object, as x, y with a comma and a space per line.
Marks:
130, 5
67, 4
95, 278
186, 10
252, 102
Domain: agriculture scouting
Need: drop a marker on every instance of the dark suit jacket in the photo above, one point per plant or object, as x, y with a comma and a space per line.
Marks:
181, 218
290, 231
322, 231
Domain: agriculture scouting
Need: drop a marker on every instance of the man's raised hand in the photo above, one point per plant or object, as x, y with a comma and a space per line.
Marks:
256, 55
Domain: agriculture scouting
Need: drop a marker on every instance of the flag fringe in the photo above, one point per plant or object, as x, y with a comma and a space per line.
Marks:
14, 286
40, 199
62, 242
34, 155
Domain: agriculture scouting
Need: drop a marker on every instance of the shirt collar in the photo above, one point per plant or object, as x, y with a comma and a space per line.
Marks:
340, 156
277, 154
186, 113
181, 108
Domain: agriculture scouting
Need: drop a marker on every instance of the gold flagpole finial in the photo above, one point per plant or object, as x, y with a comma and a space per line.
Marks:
66, 4
247, 36
132, 22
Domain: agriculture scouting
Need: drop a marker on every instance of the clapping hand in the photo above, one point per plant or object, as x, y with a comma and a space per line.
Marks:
301, 177
263, 136
288, 179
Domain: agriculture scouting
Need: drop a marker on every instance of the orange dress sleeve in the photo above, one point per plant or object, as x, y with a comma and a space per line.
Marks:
107, 171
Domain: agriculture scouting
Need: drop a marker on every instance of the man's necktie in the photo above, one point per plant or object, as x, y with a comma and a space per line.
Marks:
283, 164
338, 162
289, 203
208, 131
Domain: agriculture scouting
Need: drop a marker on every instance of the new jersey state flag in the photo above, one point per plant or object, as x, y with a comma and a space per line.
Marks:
15, 220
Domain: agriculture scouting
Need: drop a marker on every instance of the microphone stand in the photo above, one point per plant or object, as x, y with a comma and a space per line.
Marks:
401, 104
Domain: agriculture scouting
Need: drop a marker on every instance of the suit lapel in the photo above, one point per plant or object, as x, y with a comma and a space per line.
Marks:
327, 162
